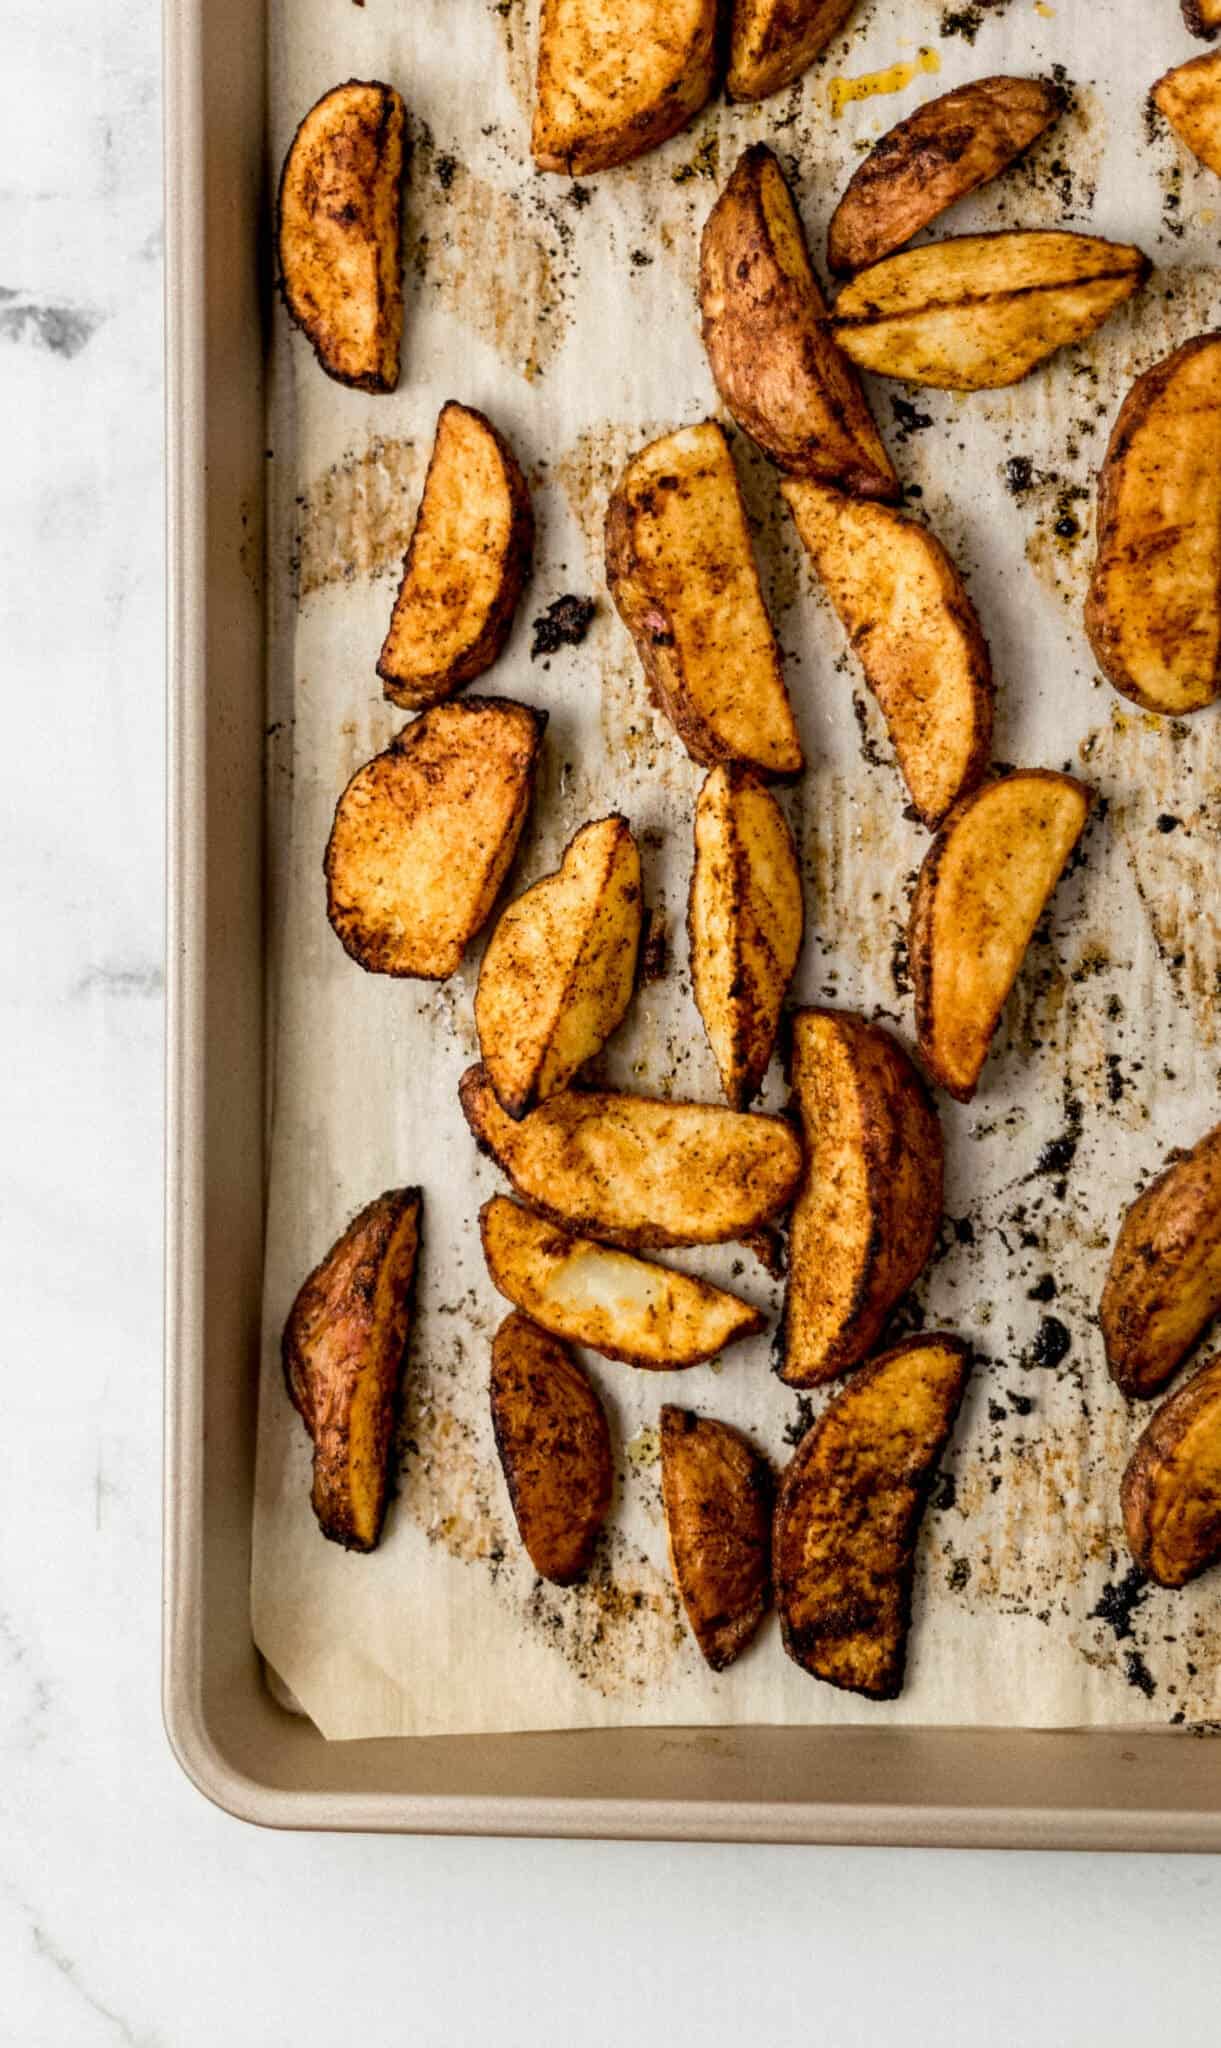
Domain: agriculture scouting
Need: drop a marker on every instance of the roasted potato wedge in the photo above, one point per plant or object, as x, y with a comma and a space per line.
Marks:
848, 1514
920, 167
980, 311
1203, 17
1171, 1492
635, 1172
765, 330
681, 570
343, 1350
982, 889
914, 629
560, 967
340, 232
773, 41
424, 833
717, 1492
554, 1448
1153, 613
1163, 1285
618, 77
745, 919
869, 1209
1190, 98
465, 566
624, 1307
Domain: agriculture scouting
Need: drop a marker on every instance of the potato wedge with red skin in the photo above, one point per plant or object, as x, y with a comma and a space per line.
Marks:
1203, 18
1163, 1285
717, 1491
1190, 98
466, 563
554, 1447
848, 1515
1171, 1491
637, 1172
340, 236
923, 165
618, 77
773, 41
765, 330
915, 632
343, 1350
982, 889
869, 1207
608, 1300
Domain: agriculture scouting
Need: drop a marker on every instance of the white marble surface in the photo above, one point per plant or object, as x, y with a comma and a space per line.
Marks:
130, 1911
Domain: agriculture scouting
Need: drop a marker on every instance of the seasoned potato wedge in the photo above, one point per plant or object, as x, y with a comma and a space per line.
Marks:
982, 889
717, 1491
869, 1209
624, 1307
343, 1350
424, 833
765, 330
340, 232
636, 1172
919, 168
980, 311
465, 566
1153, 613
1163, 1285
1190, 98
902, 604
617, 77
1171, 1492
1203, 17
681, 570
745, 919
848, 1514
559, 969
554, 1447
773, 41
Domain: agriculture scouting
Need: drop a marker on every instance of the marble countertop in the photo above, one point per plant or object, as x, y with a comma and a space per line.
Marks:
131, 1911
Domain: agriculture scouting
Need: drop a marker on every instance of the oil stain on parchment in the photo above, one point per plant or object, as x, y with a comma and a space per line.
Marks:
355, 520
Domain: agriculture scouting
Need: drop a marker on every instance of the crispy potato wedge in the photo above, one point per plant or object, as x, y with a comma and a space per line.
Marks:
910, 622
848, 1514
980, 311
1163, 1285
1153, 613
466, 563
558, 973
1203, 17
765, 330
982, 889
424, 834
869, 1209
636, 1172
340, 232
1190, 98
745, 918
717, 1491
618, 77
922, 166
554, 1447
343, 1349
624, 1307
773, 41
1171, 1491
681, 570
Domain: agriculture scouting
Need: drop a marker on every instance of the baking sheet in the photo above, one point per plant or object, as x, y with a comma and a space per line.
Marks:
568, 313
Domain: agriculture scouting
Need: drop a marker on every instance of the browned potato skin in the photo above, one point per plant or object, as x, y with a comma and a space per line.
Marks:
554, 1447
1163, 1285
1171, 1491
773, 41
848, 1515
765, 330
947, 148
717, 1491
345, 1339
367, 148
1189, 97
628, 121
488, 622
901, 1160
1203, 17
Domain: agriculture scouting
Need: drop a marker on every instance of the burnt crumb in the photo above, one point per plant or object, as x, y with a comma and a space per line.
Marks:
964, 1229
909, 419
958, 1575
579, 196
1116, 1082
1118, 1602
962, 21
640, 259
1019, 474
1044, 1289
945, 1492
653, 947
1138, 1674
704, 164
870, 751
446, 170
900, 965
802, 1423
1058, 1154
1052, 1342
997, 1412
1167, 823
564, 624
1021, 1404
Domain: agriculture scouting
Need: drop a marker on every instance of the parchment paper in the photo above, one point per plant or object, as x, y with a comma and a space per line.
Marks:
568, 312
